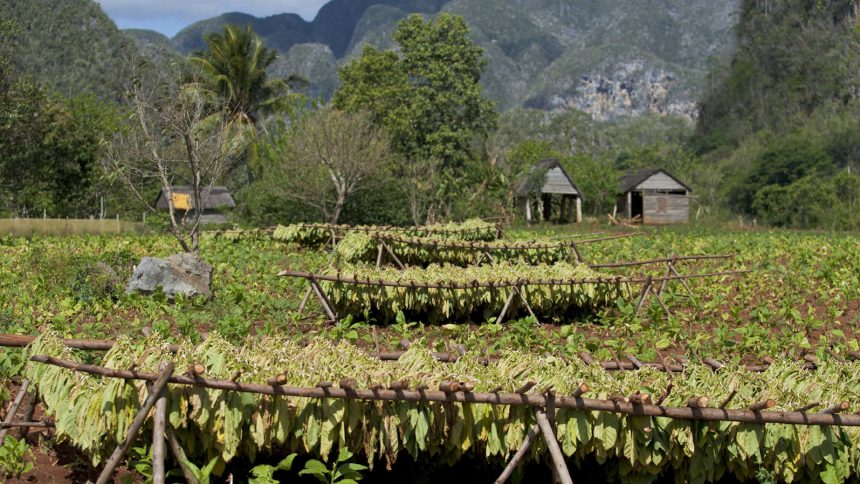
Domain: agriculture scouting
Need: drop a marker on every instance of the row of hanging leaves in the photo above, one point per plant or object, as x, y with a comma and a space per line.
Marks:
358, 247
444, 304
316, 235
94, 412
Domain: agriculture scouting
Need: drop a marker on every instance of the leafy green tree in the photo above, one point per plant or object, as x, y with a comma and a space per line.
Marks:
428, 94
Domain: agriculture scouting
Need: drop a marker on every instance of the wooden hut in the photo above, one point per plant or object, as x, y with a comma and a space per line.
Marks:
557, 190
655, 196
215, 202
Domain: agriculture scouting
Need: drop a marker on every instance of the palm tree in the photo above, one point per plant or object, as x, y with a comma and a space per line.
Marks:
235, 66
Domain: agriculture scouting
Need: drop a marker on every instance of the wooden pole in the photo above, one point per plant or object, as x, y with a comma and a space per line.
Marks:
393, 256
523, 299
643, 294
323, 300
29, 411
118, 453
159, 424
305, 300
529, 399
501, 317
554, 450
13, 407
521, 452
180, 456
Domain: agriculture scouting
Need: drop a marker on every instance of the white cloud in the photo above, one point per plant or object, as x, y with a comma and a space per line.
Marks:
168, 16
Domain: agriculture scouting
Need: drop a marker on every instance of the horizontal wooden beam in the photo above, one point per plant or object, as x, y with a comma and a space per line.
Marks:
514, 399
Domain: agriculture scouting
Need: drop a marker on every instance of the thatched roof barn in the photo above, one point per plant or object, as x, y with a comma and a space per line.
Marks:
655, 196
216, 201
550, 181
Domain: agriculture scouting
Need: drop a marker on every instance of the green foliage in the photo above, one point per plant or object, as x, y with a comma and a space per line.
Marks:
341, 472
15, 457
427, 95
265, 474
84, 277
792, 58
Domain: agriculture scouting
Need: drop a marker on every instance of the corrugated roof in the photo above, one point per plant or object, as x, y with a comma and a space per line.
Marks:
545, 166
219, 197
636, 176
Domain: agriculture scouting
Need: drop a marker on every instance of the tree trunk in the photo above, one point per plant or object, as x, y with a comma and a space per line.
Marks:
341, 199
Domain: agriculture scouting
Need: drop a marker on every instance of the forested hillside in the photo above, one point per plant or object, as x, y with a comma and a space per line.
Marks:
782, 118
72, 46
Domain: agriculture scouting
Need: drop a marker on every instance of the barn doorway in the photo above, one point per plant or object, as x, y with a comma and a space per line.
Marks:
636, 205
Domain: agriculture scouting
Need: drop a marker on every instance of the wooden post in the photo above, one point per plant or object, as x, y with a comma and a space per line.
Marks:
554, 451
578, 210
528, 211
393, 256
683, 281
159, 423
379, 256
118, 453
13, 407
521, 452
629, 205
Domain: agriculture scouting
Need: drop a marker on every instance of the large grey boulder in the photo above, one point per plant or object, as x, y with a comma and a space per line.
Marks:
178, 274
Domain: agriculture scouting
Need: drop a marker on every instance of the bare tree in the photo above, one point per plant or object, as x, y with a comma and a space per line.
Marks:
331, 155
177, 133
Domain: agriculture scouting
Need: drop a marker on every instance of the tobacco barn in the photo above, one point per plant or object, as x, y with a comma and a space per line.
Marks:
557, 194
654, 197
215, 202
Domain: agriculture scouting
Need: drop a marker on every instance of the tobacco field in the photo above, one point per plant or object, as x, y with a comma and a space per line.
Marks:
794, 316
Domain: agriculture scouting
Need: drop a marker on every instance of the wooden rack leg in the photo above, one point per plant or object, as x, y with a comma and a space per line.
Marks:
379, 256
13, 407
643, 294
305, 300
683, 281
29, 411
554, 450
664, 282
393, 256
521, 452
523, 299
326, 304
662, 304
118, 453
180, 456
578, 254
159, 424
502, 314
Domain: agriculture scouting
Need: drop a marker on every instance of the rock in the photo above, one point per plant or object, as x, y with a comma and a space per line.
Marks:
178, 274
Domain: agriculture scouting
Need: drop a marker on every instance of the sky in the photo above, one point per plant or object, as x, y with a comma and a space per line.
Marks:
170, 16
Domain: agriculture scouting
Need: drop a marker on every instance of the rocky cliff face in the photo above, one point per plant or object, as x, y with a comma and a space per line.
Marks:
634, 89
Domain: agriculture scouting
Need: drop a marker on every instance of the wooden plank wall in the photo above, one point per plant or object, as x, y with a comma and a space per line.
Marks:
660, 181
556, 182
663, 208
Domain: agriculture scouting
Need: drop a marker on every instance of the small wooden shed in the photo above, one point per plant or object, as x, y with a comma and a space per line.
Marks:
558, 190
215, 201
654, 195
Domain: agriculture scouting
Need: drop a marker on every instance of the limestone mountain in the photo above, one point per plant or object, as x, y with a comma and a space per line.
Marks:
609, 58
